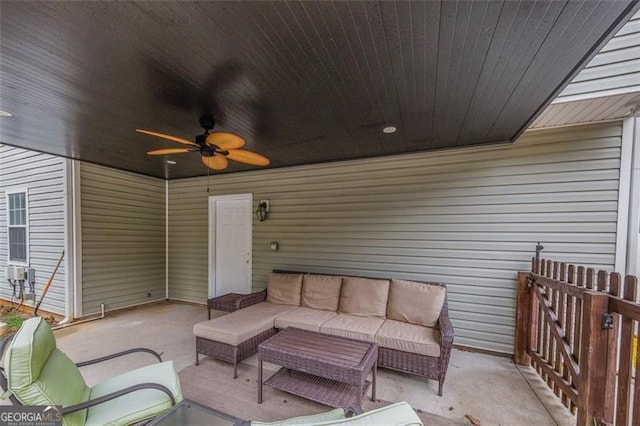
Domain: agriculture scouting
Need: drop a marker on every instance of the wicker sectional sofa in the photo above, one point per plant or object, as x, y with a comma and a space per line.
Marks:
407, 319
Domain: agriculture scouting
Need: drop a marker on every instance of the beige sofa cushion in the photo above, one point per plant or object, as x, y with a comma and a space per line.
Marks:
284, 289
408, 338
415, 303
364, 297
321, 291
353, 327
305, 318
241, 325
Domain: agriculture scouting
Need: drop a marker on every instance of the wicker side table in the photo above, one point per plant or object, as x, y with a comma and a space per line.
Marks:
225, 303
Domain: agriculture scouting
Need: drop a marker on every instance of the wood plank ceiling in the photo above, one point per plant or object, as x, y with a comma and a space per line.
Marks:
302, 82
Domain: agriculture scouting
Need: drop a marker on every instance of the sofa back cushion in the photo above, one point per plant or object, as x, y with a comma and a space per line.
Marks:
284, 289
365, 297
415, 303
321, 292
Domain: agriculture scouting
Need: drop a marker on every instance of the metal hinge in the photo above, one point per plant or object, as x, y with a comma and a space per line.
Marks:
607, 321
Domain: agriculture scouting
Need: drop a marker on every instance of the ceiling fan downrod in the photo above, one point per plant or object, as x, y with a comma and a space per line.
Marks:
207, 122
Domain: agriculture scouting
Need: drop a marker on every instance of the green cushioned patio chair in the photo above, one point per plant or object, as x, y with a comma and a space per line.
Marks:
36, 372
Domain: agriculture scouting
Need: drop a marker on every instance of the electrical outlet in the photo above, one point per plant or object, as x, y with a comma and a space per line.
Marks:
266, 203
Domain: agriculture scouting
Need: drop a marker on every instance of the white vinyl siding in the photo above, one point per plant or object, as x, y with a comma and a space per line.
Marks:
123, 238
42, 177
468, 217
613, 71
591, 110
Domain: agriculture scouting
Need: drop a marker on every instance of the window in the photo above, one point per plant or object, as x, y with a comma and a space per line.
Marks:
17, 227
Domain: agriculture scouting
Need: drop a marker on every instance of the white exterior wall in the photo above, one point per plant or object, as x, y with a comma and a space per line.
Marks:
123, 238
43, 176
614, 70
469, 218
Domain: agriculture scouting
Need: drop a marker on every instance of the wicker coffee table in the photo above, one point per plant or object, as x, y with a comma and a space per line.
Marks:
328, 369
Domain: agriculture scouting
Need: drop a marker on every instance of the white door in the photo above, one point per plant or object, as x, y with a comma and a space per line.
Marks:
230, 228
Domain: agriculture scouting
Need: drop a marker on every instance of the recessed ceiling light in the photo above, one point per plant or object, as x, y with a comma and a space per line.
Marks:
5, 114
171, 162
389, 129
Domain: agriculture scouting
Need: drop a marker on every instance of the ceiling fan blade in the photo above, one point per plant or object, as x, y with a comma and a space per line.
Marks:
225, 141
170, 151
168, 137
247, 157
217, 162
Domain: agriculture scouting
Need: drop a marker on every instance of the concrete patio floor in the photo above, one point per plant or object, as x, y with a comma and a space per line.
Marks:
490, 388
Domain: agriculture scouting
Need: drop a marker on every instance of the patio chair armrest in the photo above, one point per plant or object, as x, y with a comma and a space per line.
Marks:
5, 342
118, 354
446, 329
352, 410
117, 394
3, 378
250, 299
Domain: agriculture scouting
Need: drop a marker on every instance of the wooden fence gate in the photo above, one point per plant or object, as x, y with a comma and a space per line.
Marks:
577, 328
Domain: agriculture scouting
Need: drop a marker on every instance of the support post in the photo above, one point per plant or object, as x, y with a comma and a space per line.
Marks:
594, 353
524, 300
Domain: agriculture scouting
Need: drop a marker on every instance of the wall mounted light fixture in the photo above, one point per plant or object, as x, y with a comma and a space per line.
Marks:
263, 209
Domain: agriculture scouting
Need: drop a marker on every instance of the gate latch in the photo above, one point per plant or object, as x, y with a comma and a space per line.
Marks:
607, 321
530, 280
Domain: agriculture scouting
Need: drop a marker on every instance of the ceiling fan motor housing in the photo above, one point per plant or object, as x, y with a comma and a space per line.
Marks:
202, 139
207, 122
208, 150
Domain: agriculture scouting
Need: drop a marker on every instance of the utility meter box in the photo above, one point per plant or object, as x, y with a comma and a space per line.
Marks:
31, 276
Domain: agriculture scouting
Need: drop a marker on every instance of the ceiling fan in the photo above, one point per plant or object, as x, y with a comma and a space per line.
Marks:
215, 148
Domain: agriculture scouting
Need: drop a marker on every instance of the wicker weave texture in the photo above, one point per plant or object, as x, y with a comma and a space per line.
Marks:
225, 303
229, 353
331, 357
420, 365
217, 350
329, 369
434, 368
319, 389
251, 299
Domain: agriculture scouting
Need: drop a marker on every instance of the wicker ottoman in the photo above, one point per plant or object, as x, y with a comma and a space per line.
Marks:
235, 336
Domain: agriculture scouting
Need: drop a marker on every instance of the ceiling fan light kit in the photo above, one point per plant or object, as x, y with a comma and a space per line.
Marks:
215, 148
